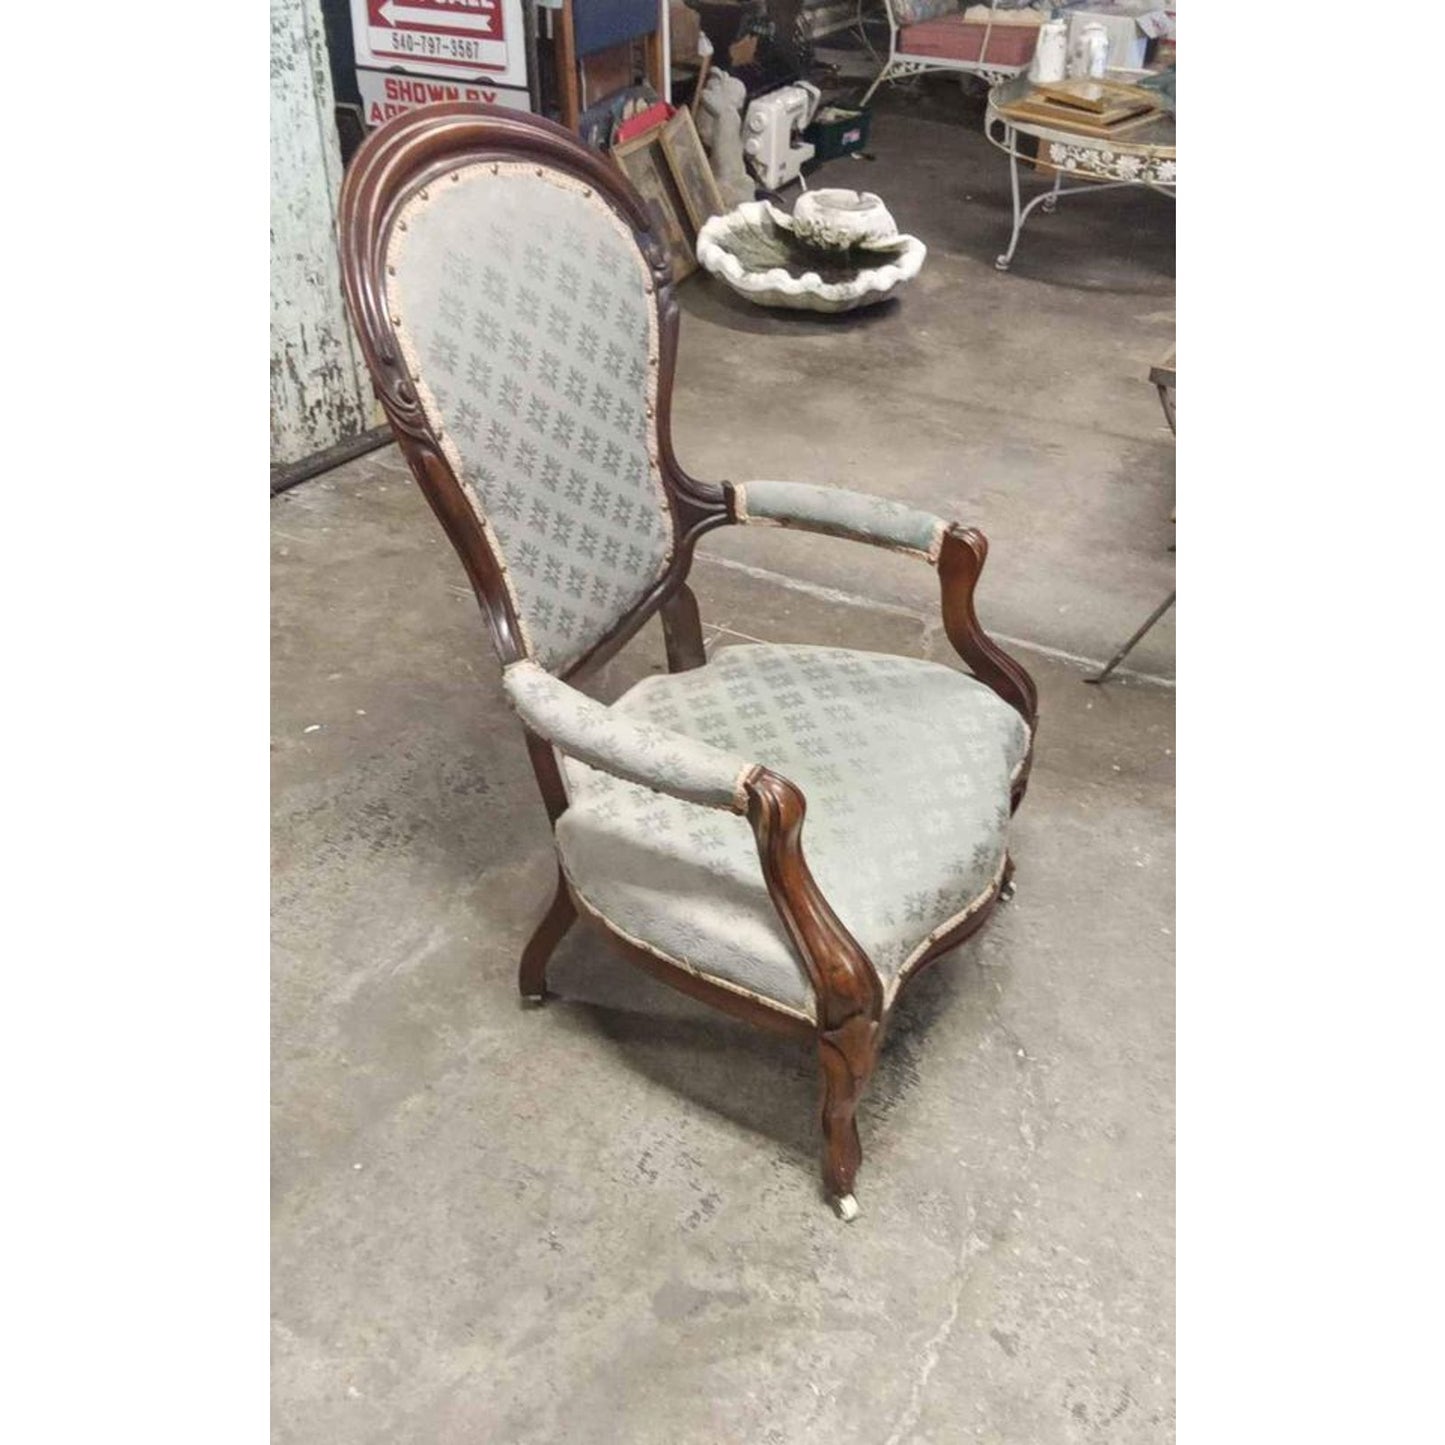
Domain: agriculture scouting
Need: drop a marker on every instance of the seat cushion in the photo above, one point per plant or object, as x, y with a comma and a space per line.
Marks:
906, 767
951, 37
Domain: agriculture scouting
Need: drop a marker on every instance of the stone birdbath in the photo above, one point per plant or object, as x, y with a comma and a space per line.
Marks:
839, 250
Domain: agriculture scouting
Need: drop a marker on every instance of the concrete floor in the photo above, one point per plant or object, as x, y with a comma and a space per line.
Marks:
602, 1222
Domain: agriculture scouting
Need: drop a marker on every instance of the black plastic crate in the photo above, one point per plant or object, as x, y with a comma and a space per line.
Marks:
838, 131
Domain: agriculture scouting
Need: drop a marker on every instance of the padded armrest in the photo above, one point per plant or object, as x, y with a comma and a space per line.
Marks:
656, 757
841, 513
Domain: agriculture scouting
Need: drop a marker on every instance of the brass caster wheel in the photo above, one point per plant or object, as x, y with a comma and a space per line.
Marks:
533, 1000
1006, 893
1001, 264
847, 1207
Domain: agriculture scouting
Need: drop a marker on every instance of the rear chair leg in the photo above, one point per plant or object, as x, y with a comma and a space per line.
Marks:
1007, 888
532, 976
846, 1057
682, 631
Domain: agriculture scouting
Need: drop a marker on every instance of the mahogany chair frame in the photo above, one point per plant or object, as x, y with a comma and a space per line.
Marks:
424, 147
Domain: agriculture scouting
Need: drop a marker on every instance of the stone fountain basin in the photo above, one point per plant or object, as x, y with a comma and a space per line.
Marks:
755, 249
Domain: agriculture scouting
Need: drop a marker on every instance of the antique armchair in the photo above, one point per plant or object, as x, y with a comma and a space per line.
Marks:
514, 307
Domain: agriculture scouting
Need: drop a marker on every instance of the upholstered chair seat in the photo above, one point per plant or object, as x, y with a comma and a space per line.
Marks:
907, 767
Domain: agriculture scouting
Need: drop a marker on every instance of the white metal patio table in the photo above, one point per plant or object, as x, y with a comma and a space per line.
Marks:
1138, 155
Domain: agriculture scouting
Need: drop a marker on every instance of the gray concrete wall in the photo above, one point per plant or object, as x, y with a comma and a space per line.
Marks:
319, 392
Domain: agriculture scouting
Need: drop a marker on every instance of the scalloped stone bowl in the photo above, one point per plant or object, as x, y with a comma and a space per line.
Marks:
757, 249
836, 219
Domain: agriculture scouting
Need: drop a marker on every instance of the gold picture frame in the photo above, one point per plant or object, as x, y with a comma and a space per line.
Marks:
644, 162
691, 170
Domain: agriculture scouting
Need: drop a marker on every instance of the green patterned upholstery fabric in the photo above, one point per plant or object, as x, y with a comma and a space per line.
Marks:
627, 747
906, 766
841, 513
521, 306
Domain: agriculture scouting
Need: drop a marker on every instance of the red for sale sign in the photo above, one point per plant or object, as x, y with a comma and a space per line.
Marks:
441, 36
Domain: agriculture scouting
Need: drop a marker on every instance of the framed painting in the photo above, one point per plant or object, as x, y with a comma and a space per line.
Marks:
644, 162
691, 170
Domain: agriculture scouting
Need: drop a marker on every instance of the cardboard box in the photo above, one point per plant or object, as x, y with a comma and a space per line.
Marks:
607, 71
685, 31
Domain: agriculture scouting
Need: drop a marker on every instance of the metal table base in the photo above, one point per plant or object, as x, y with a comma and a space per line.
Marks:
1048, 199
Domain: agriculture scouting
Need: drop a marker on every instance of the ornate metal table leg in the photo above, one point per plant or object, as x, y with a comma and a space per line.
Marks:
1047, 199
1052, 199
1021, 216
1013, 174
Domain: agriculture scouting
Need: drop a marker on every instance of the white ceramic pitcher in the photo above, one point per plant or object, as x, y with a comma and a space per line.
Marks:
1051, 52
1089, 54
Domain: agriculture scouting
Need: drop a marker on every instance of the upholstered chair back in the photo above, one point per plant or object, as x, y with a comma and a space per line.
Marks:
524, 311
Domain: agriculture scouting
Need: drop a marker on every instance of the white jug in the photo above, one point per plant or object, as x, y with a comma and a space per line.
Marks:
1089, 54
1051, 52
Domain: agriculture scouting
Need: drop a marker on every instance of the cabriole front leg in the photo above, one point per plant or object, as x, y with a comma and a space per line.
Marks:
846, 985
846, 1057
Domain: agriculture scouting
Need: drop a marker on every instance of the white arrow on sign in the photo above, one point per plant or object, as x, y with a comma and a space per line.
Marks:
407, 15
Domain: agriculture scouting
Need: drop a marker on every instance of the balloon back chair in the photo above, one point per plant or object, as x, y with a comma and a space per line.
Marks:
514, 305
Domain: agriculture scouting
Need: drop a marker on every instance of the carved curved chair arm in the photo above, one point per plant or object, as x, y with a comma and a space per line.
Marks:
643, 753
845, 980
956, 551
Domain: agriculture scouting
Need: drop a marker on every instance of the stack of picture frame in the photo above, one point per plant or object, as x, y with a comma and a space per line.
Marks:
670, 169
